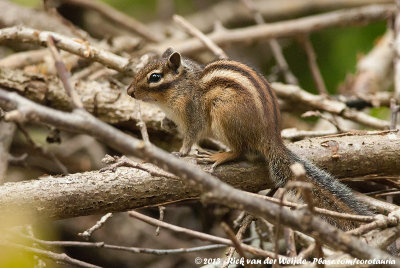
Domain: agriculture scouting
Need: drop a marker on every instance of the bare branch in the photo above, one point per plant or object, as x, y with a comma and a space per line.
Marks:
62, 257
202, 37
296, 94
86, 234
64, 74
118, 17
200, 235
216, 190
342, 18
74, 46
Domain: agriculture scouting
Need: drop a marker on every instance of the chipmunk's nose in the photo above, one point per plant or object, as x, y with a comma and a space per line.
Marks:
130, 91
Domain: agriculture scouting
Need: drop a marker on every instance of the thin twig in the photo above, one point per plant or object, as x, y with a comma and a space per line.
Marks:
202, 37
245, 223
290, 242
325, 117
118, 17
299, 174
161, 210
200, 235
235, 241
296, 94
64, 74
340, 18
141, 124
281, 196
86, 234
312, 63
41, 149
59, 257
274, 45
321, 211
134, 250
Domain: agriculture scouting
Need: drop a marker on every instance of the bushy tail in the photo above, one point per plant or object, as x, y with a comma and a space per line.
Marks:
334, 186
328, 192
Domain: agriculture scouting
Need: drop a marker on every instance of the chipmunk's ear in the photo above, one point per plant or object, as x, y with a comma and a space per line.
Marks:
168, 52
174, 61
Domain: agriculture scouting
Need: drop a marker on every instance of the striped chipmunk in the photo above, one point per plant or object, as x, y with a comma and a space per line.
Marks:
231, 102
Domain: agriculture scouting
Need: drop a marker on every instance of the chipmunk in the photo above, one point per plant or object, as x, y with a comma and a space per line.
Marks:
231, 102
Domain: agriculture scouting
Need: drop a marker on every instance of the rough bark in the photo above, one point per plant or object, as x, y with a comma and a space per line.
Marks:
106, 101
126, 188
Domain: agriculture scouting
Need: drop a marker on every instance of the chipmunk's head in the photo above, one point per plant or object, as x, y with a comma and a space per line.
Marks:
156, 79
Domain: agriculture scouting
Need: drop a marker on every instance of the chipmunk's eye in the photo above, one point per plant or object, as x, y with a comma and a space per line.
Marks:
155, 77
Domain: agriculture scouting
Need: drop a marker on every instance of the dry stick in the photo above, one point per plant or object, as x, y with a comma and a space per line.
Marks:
161, 210
290, 242
124, 161
202, 37
380, 222
339, 129
82, 122
41, 149
141, 124
394, 109
75, 46
245, 223
230, 12
118, 17
296, 94
300, 176
293, 27
52, 11
59, 257
321, 211
129, 249
293, 134
278, 224
86, 234
200, 235
274, 45
64, 74
235, 241
312, 63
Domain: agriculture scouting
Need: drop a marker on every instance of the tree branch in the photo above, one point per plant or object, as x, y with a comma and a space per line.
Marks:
212, 189
355, 16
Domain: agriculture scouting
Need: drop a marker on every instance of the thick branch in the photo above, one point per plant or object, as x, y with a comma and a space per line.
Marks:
213, 189
105, 100
126, 188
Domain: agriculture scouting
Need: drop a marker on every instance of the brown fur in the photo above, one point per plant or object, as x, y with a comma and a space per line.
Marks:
231, 102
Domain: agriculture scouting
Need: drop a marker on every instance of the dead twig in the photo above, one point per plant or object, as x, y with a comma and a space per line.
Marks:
312, 63
58, 257
88, 233
235, 242
202, 37
118, 17
274, 45
64, 74
200, 235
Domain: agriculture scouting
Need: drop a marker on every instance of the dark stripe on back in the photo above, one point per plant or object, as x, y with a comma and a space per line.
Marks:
230, 65
226, 82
